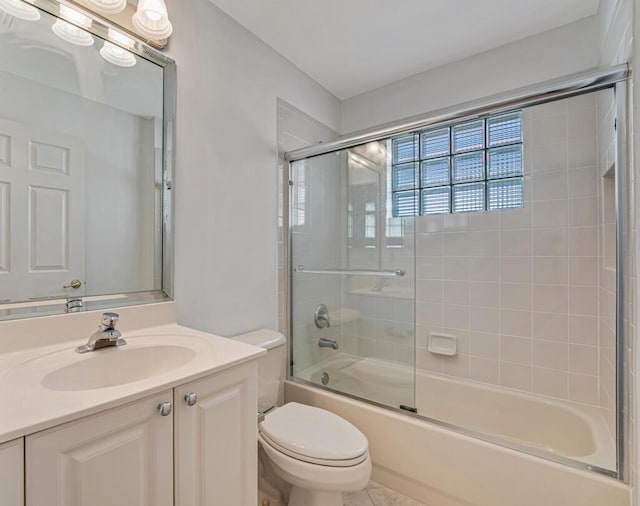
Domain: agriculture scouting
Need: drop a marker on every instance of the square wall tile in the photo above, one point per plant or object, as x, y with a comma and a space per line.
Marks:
515, 296
515, 349
515, 269
484, 243
513, 219
583, 182
484, 269
515, 323
583, 212
550, 186
583, 359
550, 242
583, 388
484, 344
550, 158
550, 214
583, 329
550, 382
583, 300
484, 319
550, 326
583, 241
515, 242
484, 294
516, 376
457, 366
484, 370
583, 271
550, 354
551, 270
456, 292
550, 298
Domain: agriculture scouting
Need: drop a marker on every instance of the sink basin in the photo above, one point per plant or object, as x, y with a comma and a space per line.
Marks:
117, 366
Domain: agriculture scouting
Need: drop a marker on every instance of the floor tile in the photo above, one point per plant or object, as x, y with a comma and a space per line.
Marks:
378, 495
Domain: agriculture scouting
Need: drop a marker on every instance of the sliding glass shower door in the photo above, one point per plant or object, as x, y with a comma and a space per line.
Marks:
352, 290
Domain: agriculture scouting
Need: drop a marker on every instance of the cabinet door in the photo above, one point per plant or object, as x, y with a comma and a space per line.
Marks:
120, 457
12, 473
216, 442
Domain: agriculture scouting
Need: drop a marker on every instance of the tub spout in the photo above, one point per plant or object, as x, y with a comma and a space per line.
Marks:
327, 343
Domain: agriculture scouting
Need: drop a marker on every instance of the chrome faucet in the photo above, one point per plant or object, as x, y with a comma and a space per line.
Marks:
106, 336
328, 343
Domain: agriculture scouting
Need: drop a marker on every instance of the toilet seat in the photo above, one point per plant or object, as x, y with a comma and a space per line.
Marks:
314, 435
314, 460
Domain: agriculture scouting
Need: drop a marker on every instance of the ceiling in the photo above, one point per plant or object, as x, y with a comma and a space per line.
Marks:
353, 46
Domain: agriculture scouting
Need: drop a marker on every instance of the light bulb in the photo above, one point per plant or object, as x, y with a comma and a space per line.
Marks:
117, 54
152, 20
70, 32
108, 6
120, 38
75, 17
20, 9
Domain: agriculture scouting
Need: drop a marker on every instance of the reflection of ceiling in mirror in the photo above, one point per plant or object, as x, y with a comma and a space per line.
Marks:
31, 50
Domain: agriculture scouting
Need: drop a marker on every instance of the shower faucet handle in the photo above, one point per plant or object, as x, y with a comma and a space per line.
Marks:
321, 317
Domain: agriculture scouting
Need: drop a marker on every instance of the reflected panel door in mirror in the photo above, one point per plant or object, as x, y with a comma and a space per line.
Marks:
42, 180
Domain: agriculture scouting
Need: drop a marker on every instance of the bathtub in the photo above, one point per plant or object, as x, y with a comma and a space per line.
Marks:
538, 425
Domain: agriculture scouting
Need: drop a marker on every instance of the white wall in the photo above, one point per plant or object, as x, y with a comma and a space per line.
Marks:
226, 167
554, 53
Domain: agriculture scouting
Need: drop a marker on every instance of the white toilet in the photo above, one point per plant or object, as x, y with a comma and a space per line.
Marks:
317, 452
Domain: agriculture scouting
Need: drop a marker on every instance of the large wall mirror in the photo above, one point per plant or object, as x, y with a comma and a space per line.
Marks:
86, 128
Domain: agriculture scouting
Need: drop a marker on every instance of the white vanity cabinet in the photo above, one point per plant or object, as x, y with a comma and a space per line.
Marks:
204, 447
11, 473
215, 435
123, 456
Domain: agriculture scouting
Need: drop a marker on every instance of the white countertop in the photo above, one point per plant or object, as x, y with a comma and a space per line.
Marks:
26, 406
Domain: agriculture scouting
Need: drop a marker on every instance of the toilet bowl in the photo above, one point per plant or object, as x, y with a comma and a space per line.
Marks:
317, 452
320, 454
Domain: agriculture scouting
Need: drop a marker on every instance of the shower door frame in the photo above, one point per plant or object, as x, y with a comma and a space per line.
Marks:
615, 78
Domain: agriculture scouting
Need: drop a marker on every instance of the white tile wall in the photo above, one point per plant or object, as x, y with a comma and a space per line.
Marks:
519, 288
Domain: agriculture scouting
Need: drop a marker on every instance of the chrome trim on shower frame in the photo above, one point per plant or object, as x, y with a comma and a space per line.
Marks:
564, 87
576, 84
622, 201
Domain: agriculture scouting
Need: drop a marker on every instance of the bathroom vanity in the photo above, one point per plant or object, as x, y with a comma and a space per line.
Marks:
175, 417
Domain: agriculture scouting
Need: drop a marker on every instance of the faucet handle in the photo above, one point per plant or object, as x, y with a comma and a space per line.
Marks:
109, 320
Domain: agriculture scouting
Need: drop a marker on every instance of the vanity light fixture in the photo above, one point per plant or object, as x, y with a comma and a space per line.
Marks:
108, 7
20, 9
152, 19
116, 53
72, 32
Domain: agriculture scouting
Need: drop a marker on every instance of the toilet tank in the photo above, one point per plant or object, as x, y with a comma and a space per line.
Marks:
270, 366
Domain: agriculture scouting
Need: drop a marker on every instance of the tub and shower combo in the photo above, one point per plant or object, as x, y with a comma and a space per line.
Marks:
457, 289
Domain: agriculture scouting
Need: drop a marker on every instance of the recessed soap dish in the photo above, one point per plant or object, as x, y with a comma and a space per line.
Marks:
442, 344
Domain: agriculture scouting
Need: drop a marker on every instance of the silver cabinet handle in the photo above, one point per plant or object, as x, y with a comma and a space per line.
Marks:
191, 398
165, 408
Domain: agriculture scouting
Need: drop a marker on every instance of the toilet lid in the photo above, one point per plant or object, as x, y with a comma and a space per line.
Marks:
314, 433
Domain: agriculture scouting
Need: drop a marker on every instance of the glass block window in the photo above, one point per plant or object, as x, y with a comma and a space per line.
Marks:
471, 166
